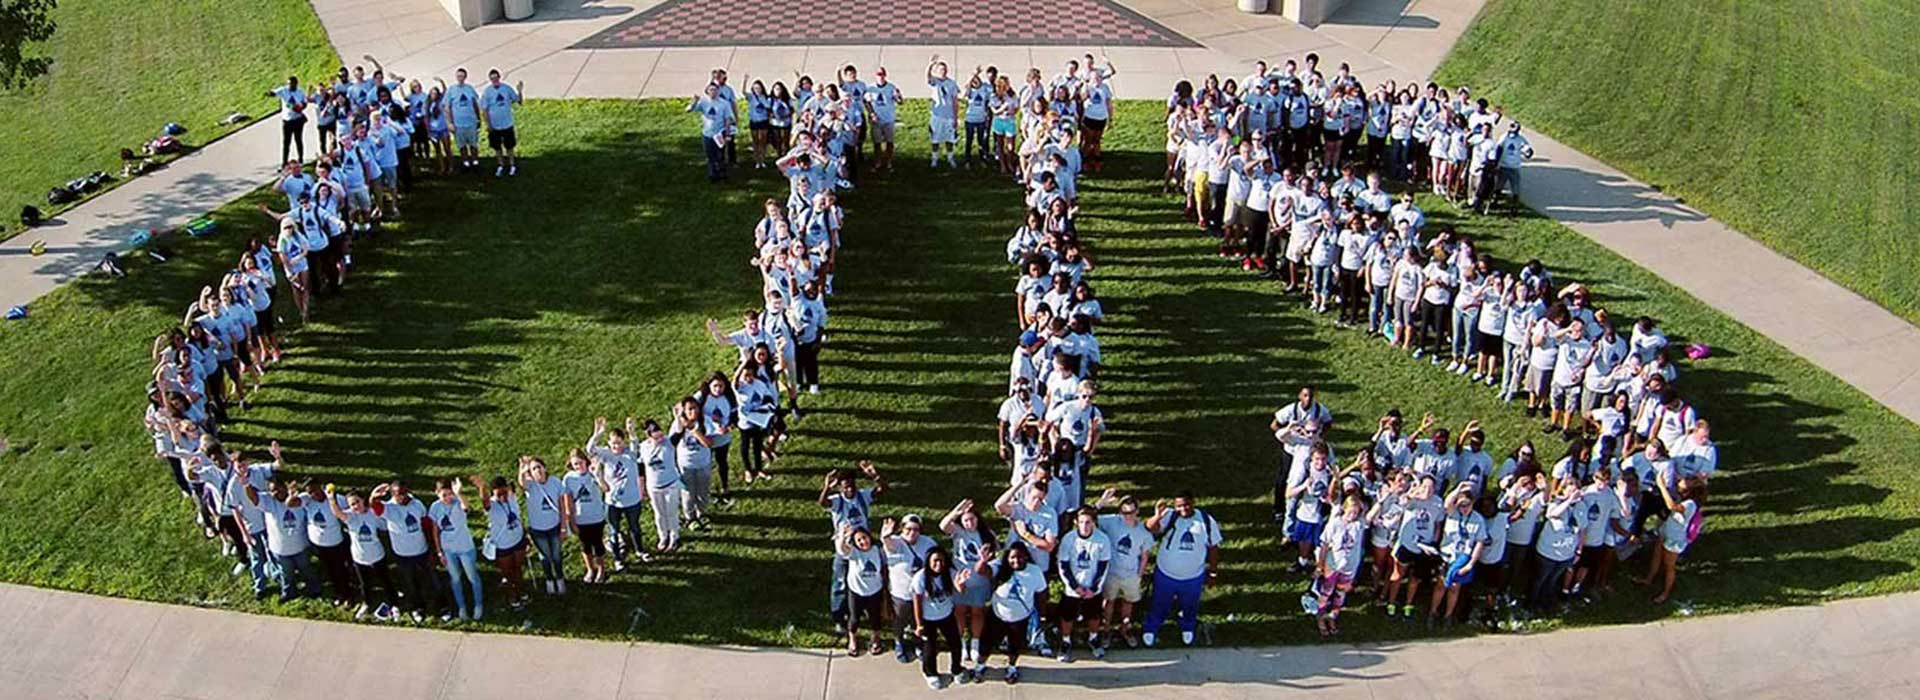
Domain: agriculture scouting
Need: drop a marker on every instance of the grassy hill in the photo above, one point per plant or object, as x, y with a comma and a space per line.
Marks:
1795, 121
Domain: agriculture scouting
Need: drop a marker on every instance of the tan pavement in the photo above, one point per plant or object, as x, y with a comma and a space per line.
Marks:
63, 645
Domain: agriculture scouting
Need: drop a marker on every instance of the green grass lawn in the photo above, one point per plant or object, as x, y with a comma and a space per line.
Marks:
124, 68
504, 316
1793, 120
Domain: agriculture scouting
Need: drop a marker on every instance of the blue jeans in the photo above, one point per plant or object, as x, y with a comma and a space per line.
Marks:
298, 578
1465, 324
1546, 581
463, 565
716, 158
1323, 280
1399, 160
548, 542
1377, 303
1166, 592
623, 527
259, 563
837, 591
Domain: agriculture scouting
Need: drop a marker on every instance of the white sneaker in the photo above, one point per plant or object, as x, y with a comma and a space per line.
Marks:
1186, 638
478, 612
815, 389
1477, 377
933, 162
1149, 638
933, 683
561, 585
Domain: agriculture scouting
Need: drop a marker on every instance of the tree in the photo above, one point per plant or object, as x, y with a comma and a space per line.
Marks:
23, 22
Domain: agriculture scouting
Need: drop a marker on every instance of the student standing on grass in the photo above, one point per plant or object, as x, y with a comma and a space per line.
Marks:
583, 509
1338, 561
1463, 541
293, 118
906, 552
286, 538
719, 413
864, 579
694, 451
498, 100
1677, 532
546, 500
619, 470
883, 99
507, 536
972, 543
453, 546
328, 537
1086, 555
1557, 546
1131, 543
462, 104
662, 465
943, 117
405, 519
373, 577
1018, 584
1415, 557
850, 507
715, 130
935, 592
1189, 558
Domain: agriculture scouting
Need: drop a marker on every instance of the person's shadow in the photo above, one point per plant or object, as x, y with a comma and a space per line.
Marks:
1296, 668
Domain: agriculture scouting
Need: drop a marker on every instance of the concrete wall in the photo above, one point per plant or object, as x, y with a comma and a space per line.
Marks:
1309, 13
472, 13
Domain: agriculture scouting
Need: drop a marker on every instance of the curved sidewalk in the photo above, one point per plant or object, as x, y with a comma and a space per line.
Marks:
66, 645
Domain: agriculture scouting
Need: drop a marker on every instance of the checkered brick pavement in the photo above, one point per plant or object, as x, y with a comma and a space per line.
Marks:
870, 22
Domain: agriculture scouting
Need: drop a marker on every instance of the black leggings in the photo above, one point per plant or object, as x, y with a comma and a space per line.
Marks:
1432, 325
406, 169
753, 445
414, 584
337, 563
1353, 299
1013, 633
179, 475
807, 357
375, 582
948, 628
720, 465
292, 134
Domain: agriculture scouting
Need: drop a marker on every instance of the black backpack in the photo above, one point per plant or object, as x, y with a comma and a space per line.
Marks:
30, 216
60, 195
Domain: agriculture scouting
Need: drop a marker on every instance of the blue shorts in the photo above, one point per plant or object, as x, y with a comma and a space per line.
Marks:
1303, 531
1455, 577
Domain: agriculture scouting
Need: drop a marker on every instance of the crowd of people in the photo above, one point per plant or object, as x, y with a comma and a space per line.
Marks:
1283, 166
382, 549
1063, 571
1290, 166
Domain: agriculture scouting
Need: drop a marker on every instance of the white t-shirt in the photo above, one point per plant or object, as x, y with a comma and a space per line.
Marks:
450, 519
323, 530
589, 503
504, 525
1013, 598
1184, 543
850, 512
1075, 421
1128, 541
1461, 532
938, 603
864, 567
366, 546
1307, 507
1417, 523
660, 463
621, 470
543, 504
1343, 538
904, 562
1603, 508
1560, 539
286, 527
1041, 523
404, 527
1084, 560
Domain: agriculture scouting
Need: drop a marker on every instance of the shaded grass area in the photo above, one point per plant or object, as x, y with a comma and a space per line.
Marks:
124, 68
1794, 121
505, 315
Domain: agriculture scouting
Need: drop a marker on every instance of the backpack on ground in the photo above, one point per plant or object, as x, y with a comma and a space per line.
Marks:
173, 129
110, 266
60, 195
159, 254
163, 145
200, 227
30, 216
17, 312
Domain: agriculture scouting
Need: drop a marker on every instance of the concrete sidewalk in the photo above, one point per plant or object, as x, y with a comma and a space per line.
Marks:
66, 645
166, 198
